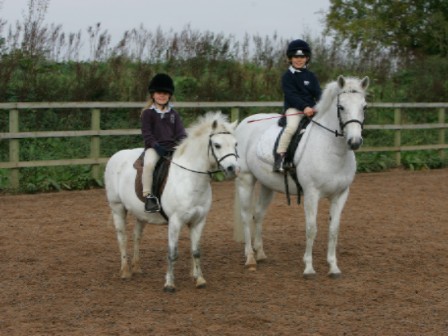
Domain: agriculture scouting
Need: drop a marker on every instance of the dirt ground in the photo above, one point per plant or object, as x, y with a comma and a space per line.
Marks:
59, 265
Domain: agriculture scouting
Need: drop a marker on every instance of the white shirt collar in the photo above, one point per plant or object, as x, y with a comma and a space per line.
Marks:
293, 70
153, 106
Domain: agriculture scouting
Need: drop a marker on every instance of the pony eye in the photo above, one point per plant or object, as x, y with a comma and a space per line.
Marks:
217, 146
340, 107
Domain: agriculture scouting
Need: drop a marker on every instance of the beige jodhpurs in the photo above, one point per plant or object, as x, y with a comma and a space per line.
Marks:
292, 122
149, 163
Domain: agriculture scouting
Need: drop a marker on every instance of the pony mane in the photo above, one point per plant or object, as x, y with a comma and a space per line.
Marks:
203, 126
332, 89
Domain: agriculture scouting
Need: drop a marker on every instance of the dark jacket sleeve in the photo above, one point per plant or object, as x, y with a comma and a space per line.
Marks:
315, 88
148, 136
180, 132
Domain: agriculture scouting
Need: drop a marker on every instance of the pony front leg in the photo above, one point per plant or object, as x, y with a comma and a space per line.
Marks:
195, 237
173, 239
310, 205
337, 204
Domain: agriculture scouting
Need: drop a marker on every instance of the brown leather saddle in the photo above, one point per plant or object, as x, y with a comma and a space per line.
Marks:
159, 177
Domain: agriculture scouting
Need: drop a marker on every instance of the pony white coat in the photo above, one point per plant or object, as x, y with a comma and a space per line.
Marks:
187, 196
325, 166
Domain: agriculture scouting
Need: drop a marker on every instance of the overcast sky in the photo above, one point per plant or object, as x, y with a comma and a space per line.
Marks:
289, 18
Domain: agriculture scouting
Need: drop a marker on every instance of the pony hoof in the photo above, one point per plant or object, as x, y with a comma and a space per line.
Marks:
309, 276
251, 268
169, 289
201, 283
261, 256
126, 276
334, 275
137, 271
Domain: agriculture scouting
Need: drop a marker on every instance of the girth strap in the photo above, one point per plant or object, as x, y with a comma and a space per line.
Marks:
292, 172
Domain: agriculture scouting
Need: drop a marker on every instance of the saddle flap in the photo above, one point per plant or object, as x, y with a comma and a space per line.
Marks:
159, 177
267, 142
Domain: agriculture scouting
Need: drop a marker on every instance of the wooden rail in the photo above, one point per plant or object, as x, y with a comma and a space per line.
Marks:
14, 134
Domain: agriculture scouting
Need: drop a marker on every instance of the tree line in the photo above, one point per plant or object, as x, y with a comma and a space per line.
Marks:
405, 58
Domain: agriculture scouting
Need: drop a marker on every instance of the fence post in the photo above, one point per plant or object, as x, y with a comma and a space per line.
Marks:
95, 143
397, 139
14, 149
442, 134
234, 114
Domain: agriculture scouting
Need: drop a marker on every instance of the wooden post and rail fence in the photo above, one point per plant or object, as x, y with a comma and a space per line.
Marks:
14, 135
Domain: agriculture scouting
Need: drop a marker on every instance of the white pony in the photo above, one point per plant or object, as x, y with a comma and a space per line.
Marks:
325, 166
186, 199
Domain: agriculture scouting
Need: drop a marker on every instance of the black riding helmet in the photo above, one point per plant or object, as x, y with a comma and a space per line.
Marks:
161, 83
298, 47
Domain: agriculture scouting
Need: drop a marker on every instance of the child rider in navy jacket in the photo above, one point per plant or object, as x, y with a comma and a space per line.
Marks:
301, 91
162, 130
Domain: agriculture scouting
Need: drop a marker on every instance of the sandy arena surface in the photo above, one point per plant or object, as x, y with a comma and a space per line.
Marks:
59, 265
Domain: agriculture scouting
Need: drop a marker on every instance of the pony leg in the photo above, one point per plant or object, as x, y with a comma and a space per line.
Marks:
264, 199
138, 230
337, 204
310, 206
174, 227
195, 237
119, 219
245, 188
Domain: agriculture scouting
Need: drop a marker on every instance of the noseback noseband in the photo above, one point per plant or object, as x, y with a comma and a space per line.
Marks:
339, 107
210, 148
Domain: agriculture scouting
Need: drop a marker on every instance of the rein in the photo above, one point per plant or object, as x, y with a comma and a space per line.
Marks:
341, 124
218, 161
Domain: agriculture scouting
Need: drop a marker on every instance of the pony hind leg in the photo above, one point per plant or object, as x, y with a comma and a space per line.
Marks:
264, 199
138, 231
336, 206
195, 238
119, 218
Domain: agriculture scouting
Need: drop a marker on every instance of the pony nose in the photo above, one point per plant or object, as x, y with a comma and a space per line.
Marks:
231, 170
354, 143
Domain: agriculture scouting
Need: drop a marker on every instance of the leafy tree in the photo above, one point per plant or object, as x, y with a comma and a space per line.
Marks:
406, 27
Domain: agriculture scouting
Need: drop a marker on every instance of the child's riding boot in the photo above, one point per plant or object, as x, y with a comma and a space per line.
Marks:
152, 203
279, 159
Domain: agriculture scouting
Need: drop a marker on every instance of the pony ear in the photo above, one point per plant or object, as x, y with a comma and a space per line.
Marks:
365, 82
214, 124
234, 124
341, 81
